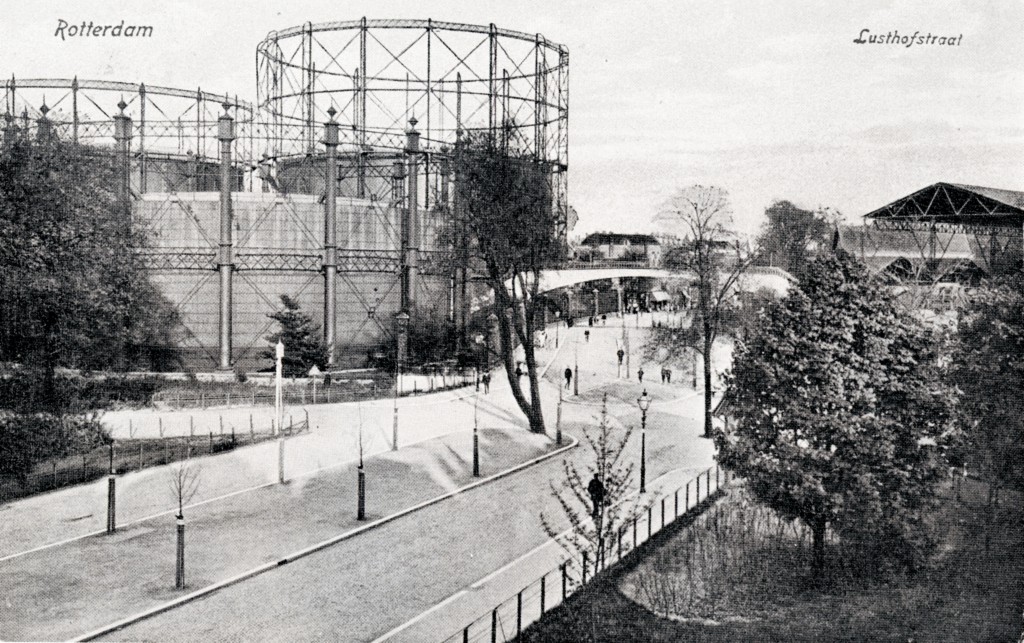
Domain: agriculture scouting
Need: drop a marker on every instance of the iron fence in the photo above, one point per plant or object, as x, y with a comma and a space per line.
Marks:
507, 620
123, 456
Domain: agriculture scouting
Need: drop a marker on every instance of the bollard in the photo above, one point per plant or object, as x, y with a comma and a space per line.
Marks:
543, 592
476, 453
394, 429
494, 625
111, 522
519, 614
179, 567
361, 507
280, 460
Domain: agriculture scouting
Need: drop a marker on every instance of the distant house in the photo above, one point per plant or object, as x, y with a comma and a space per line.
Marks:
613, 246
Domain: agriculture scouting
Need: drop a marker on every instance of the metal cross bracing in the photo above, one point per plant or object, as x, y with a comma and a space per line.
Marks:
380, 73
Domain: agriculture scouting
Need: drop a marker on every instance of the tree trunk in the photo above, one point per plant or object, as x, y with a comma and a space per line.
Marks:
818, 559
531, 408
707, 379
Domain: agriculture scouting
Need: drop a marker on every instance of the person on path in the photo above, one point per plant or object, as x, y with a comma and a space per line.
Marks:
487, 382
596, 491
620, 353
668, 375
568, 376
586, 335
640, 374
662, 374
604, 320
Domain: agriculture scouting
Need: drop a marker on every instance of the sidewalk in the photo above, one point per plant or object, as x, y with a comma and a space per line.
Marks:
66, 591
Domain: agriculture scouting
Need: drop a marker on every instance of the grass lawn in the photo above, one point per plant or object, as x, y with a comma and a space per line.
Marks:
966, 594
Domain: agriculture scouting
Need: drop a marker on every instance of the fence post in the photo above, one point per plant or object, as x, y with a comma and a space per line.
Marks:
662, 513
650, 521
211, 441
620, 543
584, 568
221, 417
160, 424
634, 533
687, 498
191, 426
696, 498
675, 514
227, 398
494, 625
465, 635
718, 484
202, 400
565, 581
543, 589
306, 411
519, 613
253, 397
707, 487
167, 451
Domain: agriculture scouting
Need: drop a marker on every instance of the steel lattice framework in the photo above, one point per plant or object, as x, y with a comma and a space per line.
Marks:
380, 74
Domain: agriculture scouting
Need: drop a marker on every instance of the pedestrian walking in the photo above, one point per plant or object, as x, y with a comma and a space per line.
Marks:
586, 335
568, 376
640, 374
620, 353
487, 382
662, 374
668, 375
604, 320
596, 491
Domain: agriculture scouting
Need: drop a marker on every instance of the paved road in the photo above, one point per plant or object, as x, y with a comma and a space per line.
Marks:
368, 586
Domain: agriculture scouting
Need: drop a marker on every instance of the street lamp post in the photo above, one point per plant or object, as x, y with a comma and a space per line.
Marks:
644, 402
279, 412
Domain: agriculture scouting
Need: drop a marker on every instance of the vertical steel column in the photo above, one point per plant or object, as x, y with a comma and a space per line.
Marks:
226, 135
398, 196
330, 236
122, 143
412, 150
142, 138
492, 70
462, 235
361, 112
74, 109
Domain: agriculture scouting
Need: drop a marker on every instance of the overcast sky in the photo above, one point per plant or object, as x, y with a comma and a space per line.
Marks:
767, 100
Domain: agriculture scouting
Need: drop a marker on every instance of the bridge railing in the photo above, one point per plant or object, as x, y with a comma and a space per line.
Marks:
607, 263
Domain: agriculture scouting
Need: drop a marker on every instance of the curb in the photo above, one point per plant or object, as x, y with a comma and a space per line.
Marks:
302, 553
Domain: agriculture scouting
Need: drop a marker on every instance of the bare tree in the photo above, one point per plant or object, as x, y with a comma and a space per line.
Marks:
702, 215
183, 483
595, 522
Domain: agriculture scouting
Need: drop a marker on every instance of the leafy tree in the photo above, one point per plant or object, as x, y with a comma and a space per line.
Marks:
704, 217
76, 292
988, 369
303, 342
834, 393
514, 232
792, 236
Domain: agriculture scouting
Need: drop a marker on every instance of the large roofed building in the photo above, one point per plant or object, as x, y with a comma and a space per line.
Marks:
942, 237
